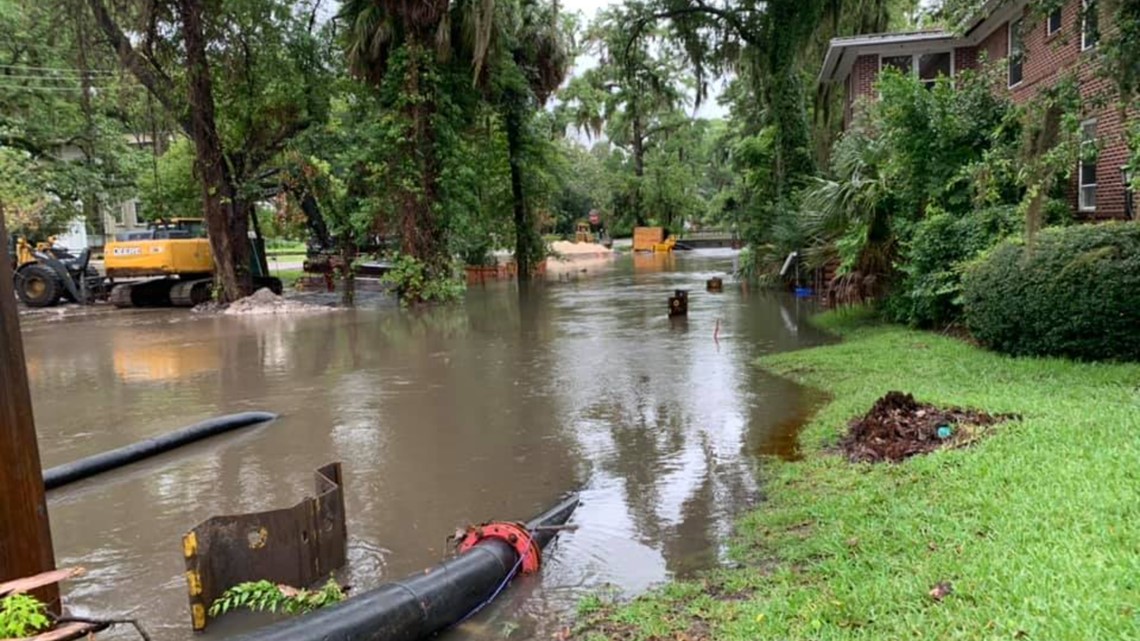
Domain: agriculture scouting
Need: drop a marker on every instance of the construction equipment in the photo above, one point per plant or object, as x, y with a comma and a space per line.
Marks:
582, 233
46, 273
174, 259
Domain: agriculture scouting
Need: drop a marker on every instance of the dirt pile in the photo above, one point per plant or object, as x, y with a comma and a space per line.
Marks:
265, 302
569, 250
898, 427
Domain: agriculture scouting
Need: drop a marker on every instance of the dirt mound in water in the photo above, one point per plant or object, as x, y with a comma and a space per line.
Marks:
898, 427
568, 250
264, 302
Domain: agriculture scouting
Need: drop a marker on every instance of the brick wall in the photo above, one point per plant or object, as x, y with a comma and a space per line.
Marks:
965, 58
861, 82
1047, 59
994, 46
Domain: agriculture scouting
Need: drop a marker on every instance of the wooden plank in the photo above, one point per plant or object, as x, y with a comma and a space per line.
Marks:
25, 534
30, 583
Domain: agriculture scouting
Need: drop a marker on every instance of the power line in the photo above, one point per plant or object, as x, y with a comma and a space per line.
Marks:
6, 77
60, 70
35, 89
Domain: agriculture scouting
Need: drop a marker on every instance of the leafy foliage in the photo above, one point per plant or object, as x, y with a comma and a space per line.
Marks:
22, 615
167, 186
930, 291
634, 96
927, 178
64, 116
414, 284
1073, 296
266, 596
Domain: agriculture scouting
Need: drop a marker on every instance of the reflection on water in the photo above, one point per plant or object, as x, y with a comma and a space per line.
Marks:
453, 415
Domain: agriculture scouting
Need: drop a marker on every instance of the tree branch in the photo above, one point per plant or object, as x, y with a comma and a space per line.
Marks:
728, 16
144, 69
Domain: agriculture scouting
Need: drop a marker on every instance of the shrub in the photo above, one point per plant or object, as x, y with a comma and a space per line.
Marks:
414, 284
929, 294
1074, 295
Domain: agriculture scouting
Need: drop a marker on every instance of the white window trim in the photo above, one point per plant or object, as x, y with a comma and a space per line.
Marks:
1081, 174
914, 61
1009, 55
1049, 30
1085, 46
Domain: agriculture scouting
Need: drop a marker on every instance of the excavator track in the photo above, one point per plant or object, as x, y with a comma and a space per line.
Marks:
146, 293
190, 293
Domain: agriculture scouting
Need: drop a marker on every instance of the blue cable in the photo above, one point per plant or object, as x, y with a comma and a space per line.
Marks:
495, 594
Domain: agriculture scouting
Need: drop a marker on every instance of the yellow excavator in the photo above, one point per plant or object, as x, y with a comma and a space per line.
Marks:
174, 261
168, 264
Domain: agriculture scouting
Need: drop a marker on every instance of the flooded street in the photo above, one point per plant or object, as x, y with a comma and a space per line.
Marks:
491, 409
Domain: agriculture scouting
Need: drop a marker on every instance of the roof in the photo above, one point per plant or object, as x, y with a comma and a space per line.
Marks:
835, 60
841, 52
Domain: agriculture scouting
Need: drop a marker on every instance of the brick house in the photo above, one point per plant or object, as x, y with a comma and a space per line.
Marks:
1035, 53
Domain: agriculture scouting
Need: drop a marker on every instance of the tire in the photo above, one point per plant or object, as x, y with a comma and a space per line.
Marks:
38, 286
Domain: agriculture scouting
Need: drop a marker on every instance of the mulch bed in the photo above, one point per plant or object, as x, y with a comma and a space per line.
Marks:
898, 427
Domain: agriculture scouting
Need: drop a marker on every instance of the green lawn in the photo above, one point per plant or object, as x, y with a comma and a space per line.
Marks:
289, 277
1036, 527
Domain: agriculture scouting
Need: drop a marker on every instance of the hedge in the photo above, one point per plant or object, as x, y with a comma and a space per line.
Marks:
1077, 294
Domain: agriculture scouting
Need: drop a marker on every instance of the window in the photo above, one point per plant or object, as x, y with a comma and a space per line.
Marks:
1054, 22
903, 64
1016, 53
1090, 25
932, 65
1086, 199
928, 66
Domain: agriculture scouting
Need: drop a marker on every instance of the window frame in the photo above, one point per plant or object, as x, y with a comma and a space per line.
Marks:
1081, 185
914, 62
1060, 15
1009, 55
1085, 44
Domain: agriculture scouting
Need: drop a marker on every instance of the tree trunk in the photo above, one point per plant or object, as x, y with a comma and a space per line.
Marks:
422, 236
524, 230
347, 275
226, 218
638, 168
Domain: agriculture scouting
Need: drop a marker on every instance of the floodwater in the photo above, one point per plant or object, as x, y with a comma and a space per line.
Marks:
492, 409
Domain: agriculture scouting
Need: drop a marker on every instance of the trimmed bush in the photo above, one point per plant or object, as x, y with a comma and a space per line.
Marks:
1076, 295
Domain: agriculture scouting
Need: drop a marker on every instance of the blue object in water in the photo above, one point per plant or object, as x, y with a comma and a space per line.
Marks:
803, 292
944, 432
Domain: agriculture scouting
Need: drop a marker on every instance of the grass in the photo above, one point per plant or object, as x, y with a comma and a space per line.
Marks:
1036, 528
289, 277
285, 257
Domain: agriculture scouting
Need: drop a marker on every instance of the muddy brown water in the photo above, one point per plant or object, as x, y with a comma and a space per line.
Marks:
492, 409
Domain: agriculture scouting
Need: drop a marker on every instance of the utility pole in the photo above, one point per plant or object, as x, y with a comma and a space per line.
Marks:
25, 535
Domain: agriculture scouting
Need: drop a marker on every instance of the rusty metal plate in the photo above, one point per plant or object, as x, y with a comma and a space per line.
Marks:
296, 546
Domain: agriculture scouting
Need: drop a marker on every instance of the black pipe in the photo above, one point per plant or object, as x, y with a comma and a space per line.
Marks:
98, 463
423, 603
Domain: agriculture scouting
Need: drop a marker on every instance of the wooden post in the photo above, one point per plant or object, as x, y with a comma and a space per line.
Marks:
25, 535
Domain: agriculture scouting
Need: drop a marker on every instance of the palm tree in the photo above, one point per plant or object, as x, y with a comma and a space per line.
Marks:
531, 63
517, 57
401, 43
634, 94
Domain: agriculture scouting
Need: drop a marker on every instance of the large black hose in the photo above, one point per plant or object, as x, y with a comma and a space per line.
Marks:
423, 603
98, 463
